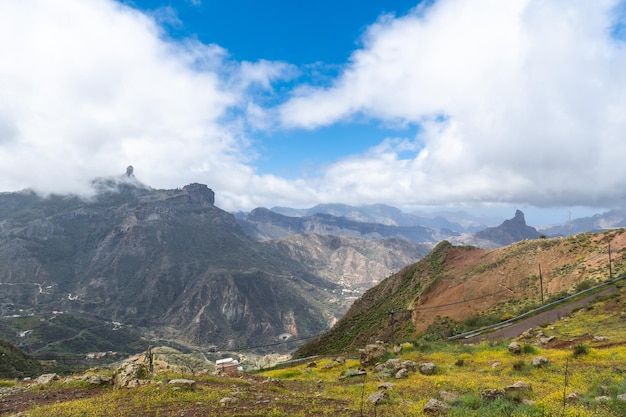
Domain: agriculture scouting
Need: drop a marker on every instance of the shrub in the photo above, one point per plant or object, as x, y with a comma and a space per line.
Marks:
580, 350
518, 365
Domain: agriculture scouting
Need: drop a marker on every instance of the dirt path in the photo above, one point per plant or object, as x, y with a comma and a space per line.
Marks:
549, 316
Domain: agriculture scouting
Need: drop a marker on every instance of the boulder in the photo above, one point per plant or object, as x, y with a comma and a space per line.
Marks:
378, 397
371, 353
183, 383
436, 406
428, 368
540, 361
46, 379
515, 348
97, 379
130, 375
492, 394
226, 401
518, 386
545, 340
402, 373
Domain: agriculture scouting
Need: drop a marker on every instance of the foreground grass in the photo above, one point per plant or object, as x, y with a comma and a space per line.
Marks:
587, 356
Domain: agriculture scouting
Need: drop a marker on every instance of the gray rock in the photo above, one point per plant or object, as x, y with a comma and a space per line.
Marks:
545, 340
130, 375
385, 385
226, 401
371, 353
378, 397
492, 394
515, 348
602, 399
518, 386
436, 406
448, 396
540, 361
402, 373
428, 368
97, 379
46, 379
621, 397
183, 383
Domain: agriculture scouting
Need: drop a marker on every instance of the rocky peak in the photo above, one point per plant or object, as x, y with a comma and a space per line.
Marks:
510, 231
199, 194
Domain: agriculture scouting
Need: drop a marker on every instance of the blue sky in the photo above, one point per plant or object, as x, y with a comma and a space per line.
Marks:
316, 36
480, 105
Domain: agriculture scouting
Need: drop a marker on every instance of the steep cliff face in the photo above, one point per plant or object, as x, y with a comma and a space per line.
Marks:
166, 261
356, 264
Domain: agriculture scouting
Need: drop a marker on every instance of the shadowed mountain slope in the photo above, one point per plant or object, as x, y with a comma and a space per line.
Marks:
168, 263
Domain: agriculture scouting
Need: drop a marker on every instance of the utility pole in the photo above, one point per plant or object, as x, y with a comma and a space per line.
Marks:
150, 359
610, 268
541, 284
393, 322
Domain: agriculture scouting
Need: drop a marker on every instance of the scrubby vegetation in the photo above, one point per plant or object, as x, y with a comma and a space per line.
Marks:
573, 367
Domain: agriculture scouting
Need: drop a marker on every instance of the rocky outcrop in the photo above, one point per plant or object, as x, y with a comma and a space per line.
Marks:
510, 231
130, 375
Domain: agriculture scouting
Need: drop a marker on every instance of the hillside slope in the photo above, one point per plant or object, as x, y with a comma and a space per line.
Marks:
456, 283
166, 262
356, 264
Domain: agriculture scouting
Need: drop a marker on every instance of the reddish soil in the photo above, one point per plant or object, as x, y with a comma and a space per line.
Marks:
478, 280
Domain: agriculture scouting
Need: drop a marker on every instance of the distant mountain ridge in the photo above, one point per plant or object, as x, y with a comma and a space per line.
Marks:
458, 222
264, 224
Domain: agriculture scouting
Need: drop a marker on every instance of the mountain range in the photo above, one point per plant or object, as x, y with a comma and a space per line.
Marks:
133, 265
160, 264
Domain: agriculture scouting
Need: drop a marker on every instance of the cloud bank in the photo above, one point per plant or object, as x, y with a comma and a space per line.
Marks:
520, 101
517, 102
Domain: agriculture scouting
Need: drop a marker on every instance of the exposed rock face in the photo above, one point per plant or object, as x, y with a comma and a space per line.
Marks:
511, 231
354, 263
165, 260
200, 194
130, 375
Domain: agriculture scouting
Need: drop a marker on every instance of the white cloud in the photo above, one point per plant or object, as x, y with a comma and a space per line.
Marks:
89, 87
521, 101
